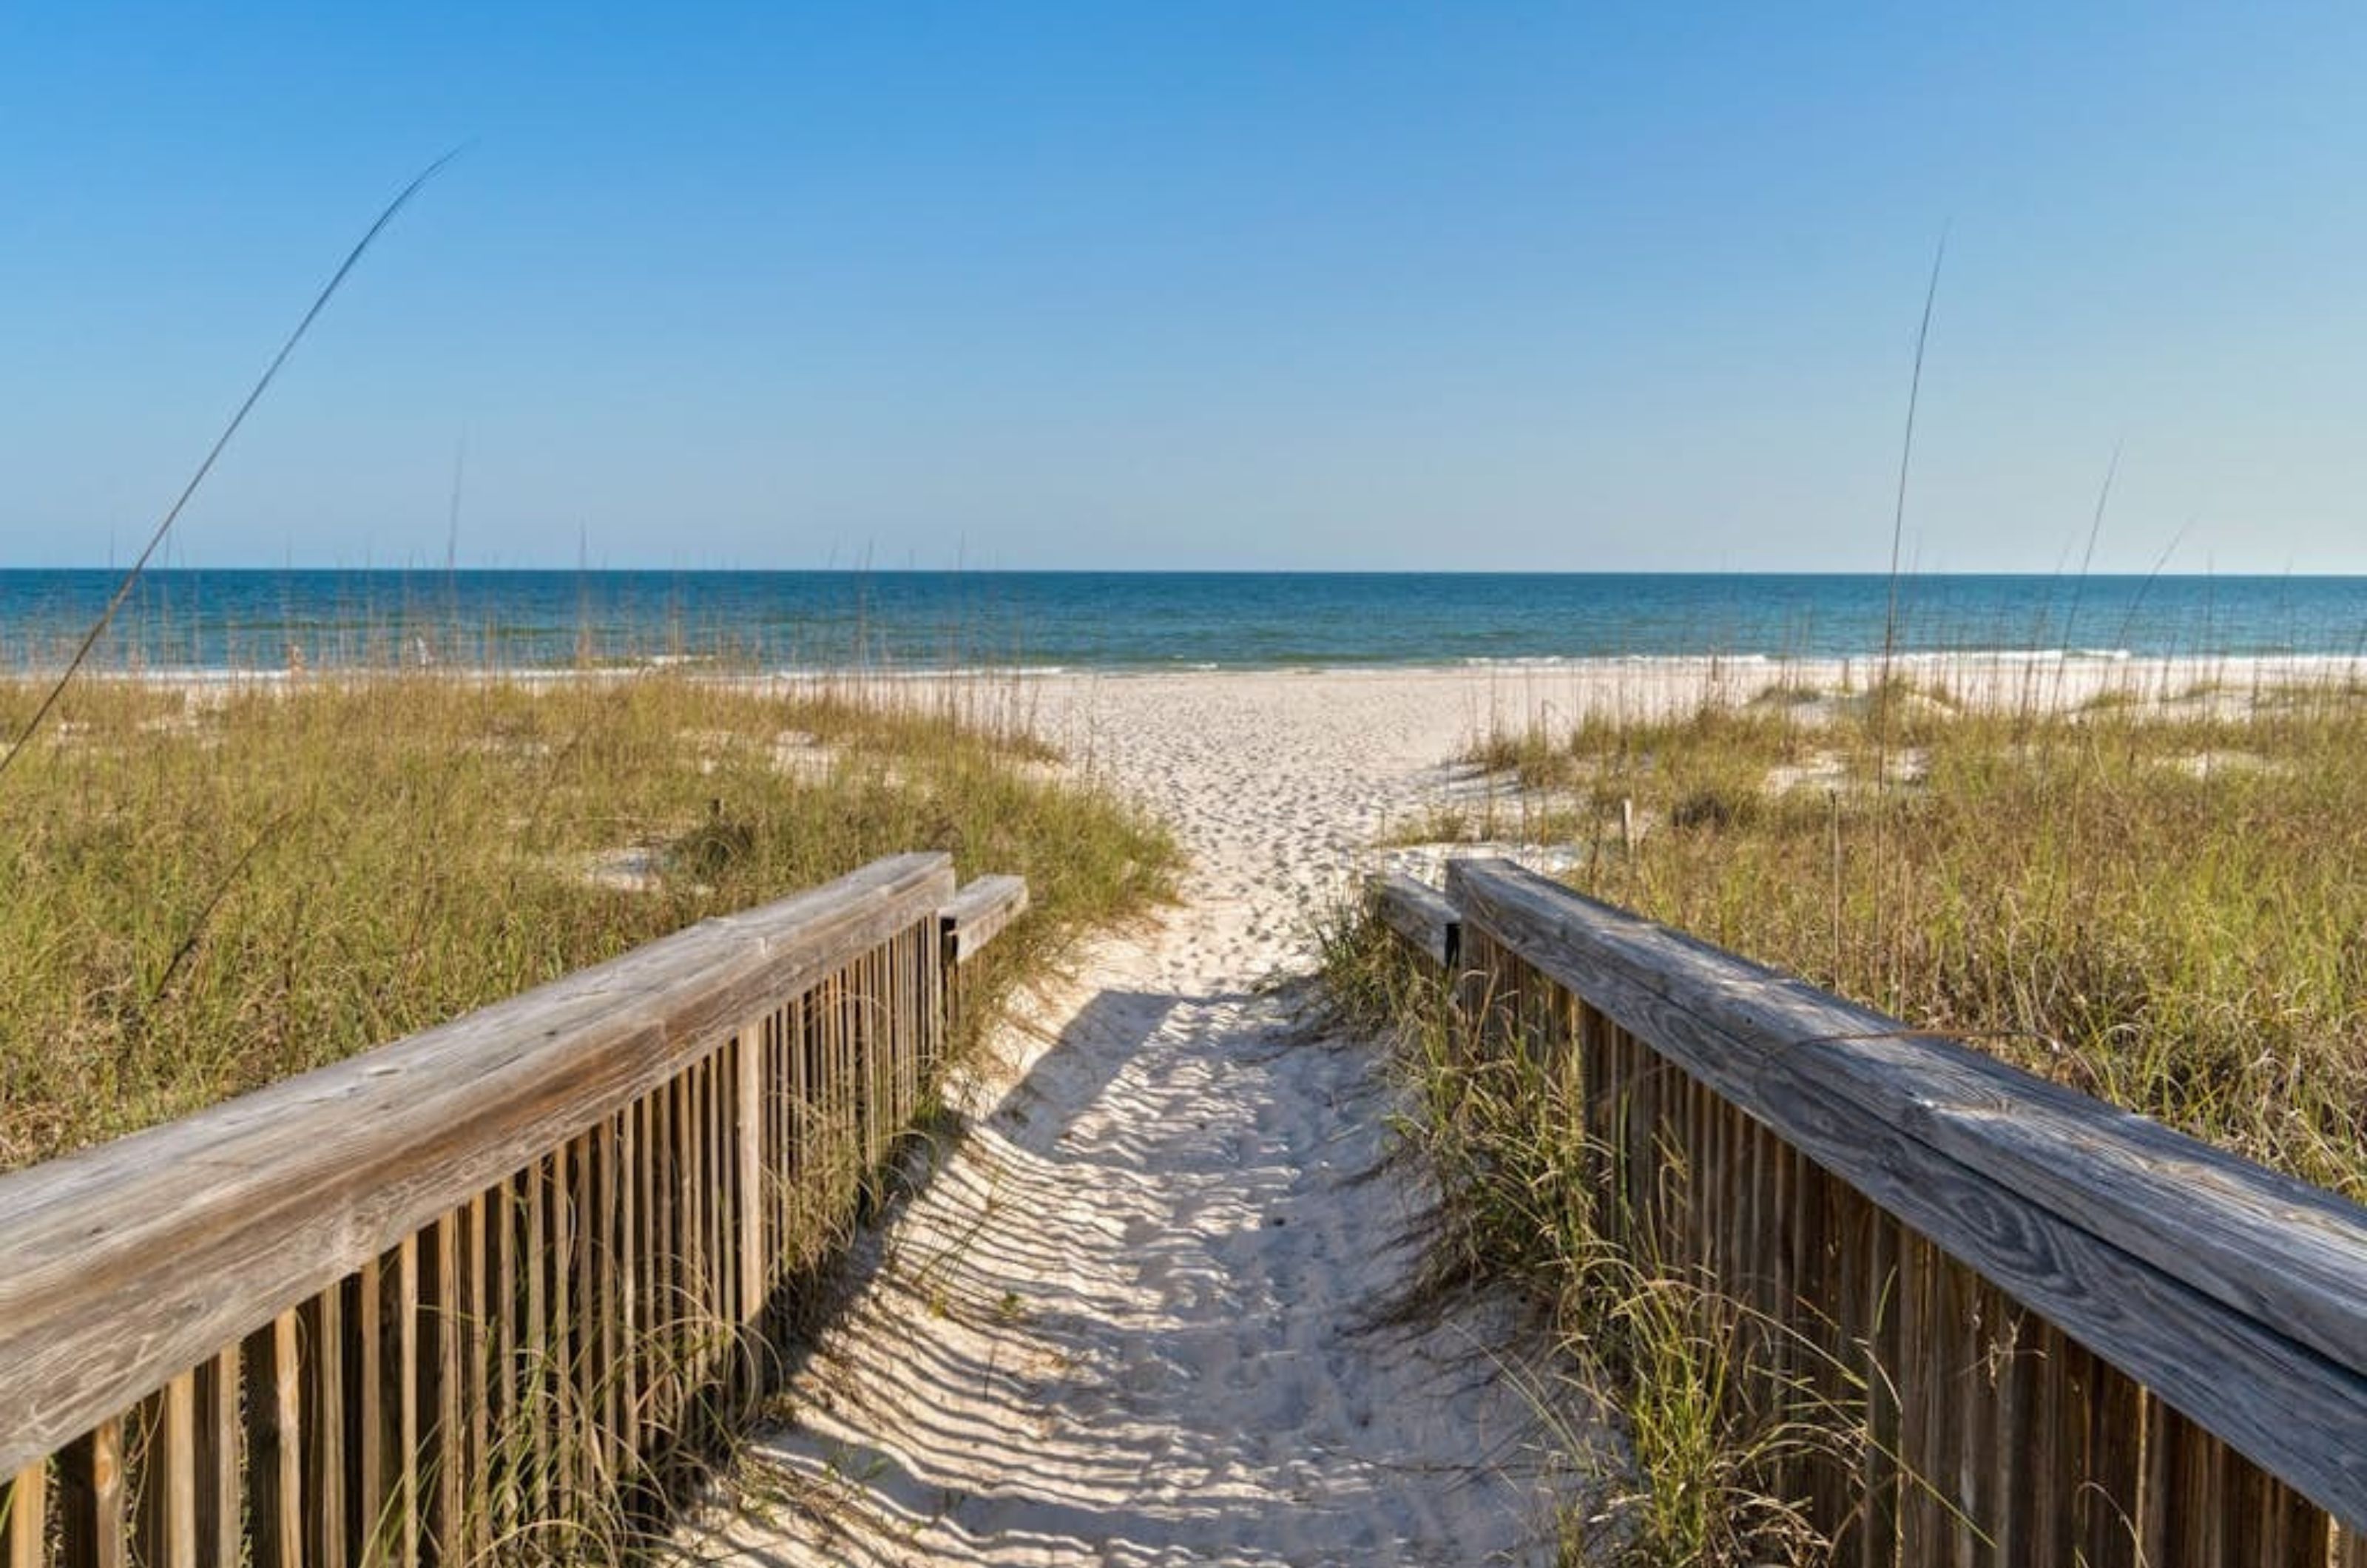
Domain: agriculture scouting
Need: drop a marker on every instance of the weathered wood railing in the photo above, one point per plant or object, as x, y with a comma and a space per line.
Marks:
2070, 1335
472, 1293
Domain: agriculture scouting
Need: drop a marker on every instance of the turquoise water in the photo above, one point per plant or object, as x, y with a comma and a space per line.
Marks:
230, 619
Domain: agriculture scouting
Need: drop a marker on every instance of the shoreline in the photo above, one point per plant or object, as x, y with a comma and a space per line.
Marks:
1631, 686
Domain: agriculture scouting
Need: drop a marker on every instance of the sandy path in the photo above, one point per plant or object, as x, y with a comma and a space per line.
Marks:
1126, 1322
1123, 1323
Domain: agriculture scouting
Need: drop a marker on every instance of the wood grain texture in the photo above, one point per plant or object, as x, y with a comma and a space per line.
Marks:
1424, 917
128, 1264
2237, 1294
976, 915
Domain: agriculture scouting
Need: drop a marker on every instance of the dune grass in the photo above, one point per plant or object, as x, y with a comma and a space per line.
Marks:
1689, 1484
204, 889
2161, 910
2156, 899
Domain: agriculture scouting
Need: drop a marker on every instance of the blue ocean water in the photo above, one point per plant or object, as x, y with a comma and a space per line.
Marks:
215, 619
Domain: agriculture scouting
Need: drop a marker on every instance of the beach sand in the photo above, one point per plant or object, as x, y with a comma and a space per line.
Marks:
1131, 1317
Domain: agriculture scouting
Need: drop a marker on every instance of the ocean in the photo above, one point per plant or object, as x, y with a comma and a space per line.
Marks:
232, 619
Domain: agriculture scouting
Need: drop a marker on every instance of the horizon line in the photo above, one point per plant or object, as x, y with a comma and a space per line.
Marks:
2288, 574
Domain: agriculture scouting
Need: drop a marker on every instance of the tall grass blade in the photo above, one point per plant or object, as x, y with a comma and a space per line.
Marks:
213, 455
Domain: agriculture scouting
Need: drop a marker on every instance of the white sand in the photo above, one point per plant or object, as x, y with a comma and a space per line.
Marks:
1127, 1322
1124, 1322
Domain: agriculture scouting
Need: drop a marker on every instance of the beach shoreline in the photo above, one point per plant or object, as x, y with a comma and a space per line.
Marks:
2047, 678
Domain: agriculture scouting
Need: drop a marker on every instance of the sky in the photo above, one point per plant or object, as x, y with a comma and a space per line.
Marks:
1362, 284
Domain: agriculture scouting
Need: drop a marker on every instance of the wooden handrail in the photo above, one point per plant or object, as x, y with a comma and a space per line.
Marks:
669, 1127
2265, 1244
1422, 915
2237, 1294
978, 913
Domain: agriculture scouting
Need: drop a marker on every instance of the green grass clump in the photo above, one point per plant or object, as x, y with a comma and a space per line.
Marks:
202, 891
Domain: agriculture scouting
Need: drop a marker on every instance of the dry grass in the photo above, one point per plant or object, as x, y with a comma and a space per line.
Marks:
201, 891
2161, 911
1702, 1430
2159, 907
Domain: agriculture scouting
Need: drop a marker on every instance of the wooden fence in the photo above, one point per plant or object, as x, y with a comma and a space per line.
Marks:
2066, 1334
476, 1294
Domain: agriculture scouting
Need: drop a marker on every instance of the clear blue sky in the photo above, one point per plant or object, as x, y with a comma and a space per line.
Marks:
1212, 285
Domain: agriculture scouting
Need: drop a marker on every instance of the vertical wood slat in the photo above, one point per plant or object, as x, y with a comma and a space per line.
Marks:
533, 1345
398, 1383
365, 1385
2017, 1433
665, 1209
1748, 1288
817, 1090
503, 1290
275, 1444
26, 1528
843, 1129
691, 1237
90, 1499
650, 1188
805, 1151
168, 1492
864, 1015
749, 1105
780, 1140
715, 1195
561, 1448
477, 1372
699, 1200
441, 1387
2163, 1522
1884, 1467
911, 992
888, 1028
2064, 1493
904, 994
322, 1390
684, 1256
2115, 1419
630, 1155
583, 1368
218, 1462
1781, 1324
903, 988
1831, 1336
1922, 1523
615, 1219
706, 1194
1958, 1352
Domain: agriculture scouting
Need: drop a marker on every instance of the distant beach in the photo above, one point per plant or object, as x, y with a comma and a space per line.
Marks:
244, 619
